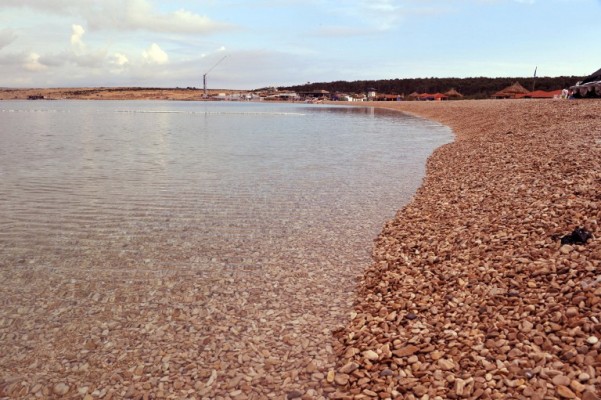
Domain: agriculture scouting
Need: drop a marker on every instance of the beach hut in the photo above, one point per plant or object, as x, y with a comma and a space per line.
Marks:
511, 92
454, 95
413, 96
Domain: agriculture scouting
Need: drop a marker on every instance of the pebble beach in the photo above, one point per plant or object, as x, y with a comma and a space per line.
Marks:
470, 293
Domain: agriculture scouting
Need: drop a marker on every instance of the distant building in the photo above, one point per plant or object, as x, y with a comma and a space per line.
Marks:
541, 94
389, 97
371, 94
432, 97
342, 97
511, 92
283, 96
316, 94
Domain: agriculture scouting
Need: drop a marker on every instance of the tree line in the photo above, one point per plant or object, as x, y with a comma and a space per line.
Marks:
470, 88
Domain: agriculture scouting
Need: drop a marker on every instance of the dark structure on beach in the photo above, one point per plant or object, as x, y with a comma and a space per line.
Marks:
589, 86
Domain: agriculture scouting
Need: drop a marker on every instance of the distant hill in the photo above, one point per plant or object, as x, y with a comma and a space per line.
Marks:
471, 88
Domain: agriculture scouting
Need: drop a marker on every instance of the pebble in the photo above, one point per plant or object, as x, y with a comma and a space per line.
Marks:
60, 389
571, 312
588, 395
577, 386
583, 377
565, 392
341, 379
561, 380
371, 355
295, 394
446, 365
349, 367
420, 390
406, 351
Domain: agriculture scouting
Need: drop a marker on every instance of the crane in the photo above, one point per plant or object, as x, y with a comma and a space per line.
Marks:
204, 76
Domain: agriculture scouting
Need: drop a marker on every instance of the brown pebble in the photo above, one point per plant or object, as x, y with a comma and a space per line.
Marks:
588, 395
295, 394
406, 351
420, 390
565, 392
341, 379
561, 380
349, 367
577, 386
61, 389
446, 365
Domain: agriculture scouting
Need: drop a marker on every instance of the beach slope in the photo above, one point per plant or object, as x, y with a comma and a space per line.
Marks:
471, 293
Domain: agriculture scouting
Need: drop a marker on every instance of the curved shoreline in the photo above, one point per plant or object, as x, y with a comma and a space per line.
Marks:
471, 294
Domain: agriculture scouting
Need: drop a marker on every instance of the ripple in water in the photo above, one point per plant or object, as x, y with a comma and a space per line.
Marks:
227, 236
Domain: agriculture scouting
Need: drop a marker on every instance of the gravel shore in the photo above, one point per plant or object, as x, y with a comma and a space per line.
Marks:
471, 294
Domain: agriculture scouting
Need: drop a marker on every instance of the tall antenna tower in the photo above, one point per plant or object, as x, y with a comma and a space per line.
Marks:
204, 76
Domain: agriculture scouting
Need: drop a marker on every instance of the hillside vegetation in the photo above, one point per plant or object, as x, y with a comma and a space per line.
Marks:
474, 88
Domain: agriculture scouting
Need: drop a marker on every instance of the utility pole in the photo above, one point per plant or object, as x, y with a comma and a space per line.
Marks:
204, 76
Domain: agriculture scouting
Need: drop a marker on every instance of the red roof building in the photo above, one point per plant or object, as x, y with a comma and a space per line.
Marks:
540, 94
432, 97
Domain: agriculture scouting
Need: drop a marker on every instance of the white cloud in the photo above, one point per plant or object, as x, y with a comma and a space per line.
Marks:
76, 36
155, 55
32, 63
125, 15
118, 63
119, 60
140, 15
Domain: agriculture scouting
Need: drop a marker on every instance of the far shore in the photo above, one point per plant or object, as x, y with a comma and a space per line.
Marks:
110, 93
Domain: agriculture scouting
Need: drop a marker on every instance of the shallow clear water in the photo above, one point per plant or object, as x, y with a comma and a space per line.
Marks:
206, 249
235, 178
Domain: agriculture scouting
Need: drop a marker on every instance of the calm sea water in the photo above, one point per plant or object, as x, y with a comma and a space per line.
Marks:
226, 184
226, 238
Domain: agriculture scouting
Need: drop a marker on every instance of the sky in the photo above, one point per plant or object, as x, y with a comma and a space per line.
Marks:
250, 44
